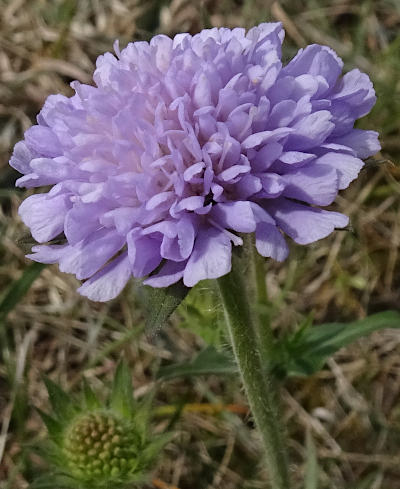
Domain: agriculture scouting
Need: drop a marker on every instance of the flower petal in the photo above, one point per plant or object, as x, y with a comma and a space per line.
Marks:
108, 282
234, 215
273, 185
316, 60
310, 131
88, 256
45, 215
21, 158
347, 166
305, 224
42, 140
270, 242
169, 274
144, 252
364, 143
211, 257
87, 213
263, 137
314, 184
48, 254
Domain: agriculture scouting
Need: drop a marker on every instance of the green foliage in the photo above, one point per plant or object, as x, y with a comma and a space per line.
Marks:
306, 351
18, 289
54, 427
207, 362
52, 480
151, 451
121, 400
90, 398
299, 354
200, 313
61, 403
386, 114
312, 469
59, 12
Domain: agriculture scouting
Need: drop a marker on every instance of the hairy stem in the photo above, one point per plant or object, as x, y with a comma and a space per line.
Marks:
258, 382
260, 314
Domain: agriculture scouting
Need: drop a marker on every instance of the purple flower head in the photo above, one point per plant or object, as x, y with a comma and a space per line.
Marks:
183, 144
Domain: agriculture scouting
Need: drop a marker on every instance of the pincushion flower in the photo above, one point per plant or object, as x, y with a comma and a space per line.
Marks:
182, 145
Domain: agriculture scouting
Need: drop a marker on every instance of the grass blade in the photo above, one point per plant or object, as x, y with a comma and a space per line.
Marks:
312, 469
19, 288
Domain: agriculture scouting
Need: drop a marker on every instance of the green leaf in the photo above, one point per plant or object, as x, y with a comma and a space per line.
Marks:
207, 362
307, 353
160, 304
19, 288
91, 401
312, 469
63, 406
121, 399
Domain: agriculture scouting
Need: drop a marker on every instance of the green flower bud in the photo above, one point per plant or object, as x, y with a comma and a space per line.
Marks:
100, 445
96, 446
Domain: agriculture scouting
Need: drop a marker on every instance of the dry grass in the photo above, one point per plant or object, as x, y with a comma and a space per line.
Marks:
352, 406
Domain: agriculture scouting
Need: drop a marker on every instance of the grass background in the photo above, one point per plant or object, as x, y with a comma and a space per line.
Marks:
352, 407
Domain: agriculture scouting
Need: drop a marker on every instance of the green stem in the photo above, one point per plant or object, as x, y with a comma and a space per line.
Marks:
258, 382
260, 316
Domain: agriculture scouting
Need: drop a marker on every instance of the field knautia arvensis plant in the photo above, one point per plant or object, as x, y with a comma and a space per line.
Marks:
185, 144
99, 445
183, 148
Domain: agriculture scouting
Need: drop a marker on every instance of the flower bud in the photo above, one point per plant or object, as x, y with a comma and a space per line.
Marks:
99, 446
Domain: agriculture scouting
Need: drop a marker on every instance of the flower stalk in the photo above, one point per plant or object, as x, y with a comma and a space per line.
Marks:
256, 277
258, 381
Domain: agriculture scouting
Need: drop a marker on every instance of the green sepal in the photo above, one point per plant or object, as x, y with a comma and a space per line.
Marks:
19, 288
141, 416
54, 427
160, 303
152, 450
121, 400
62, 404
48, 450
54, 481
90, 398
